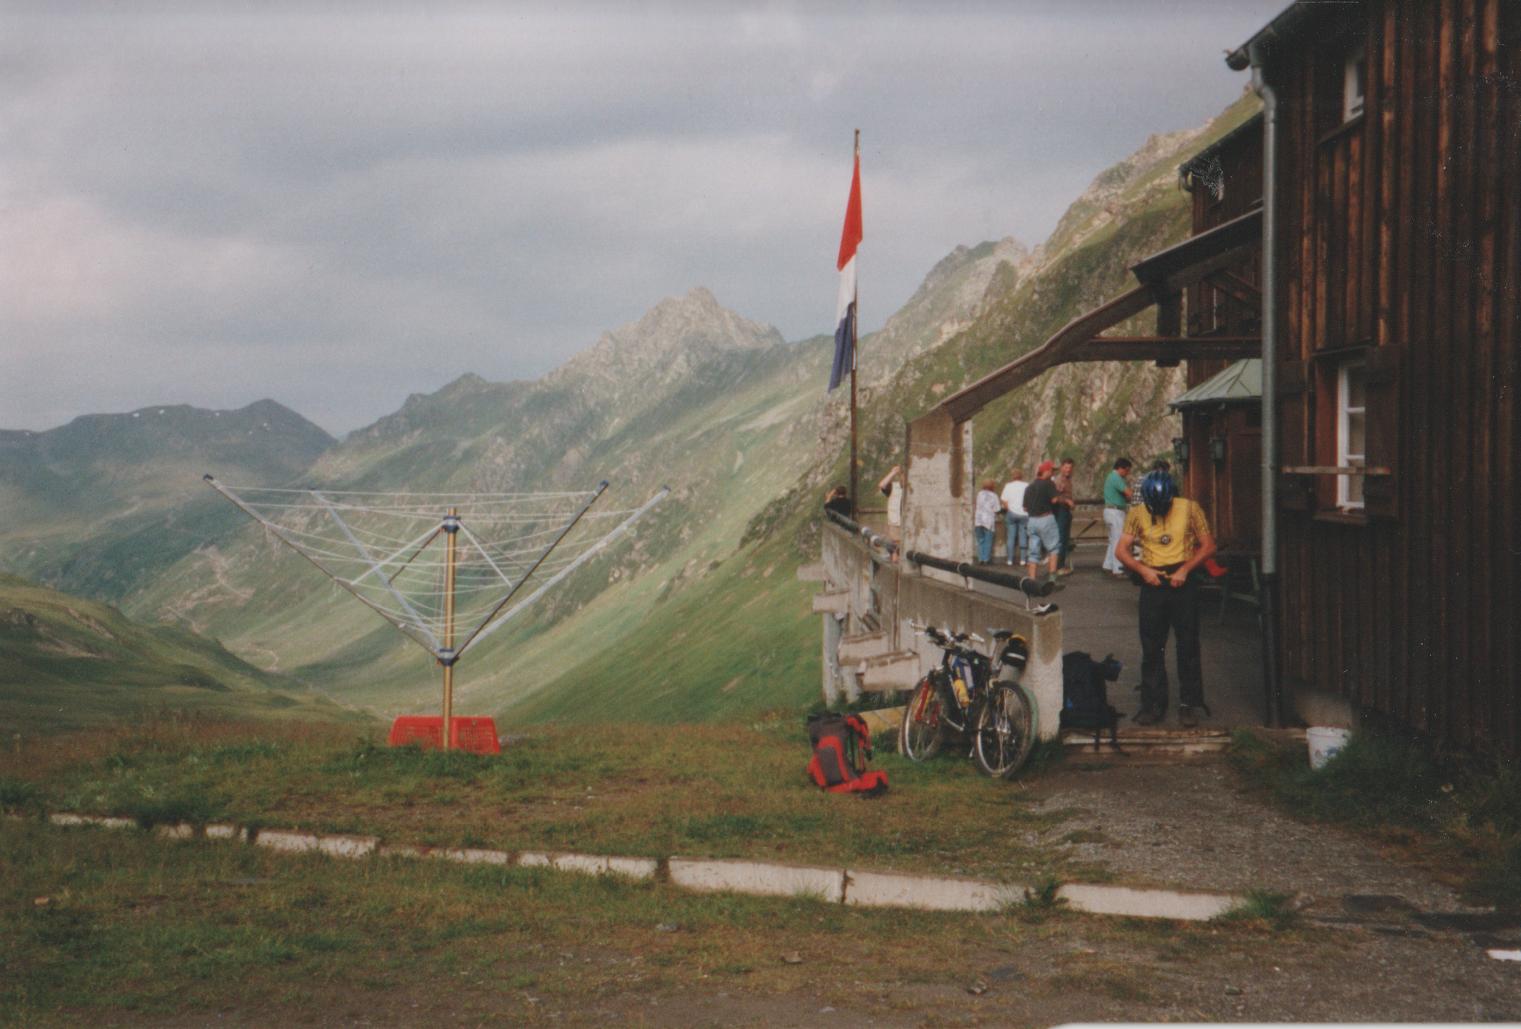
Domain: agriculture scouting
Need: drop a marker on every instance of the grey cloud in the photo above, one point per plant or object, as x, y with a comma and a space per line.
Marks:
206, 200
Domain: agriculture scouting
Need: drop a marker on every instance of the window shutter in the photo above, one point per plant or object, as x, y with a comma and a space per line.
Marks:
1295, 492
1381, 492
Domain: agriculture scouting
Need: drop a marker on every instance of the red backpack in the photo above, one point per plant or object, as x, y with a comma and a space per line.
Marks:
841, 748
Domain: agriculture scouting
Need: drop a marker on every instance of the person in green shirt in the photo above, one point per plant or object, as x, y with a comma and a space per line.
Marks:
1116, 504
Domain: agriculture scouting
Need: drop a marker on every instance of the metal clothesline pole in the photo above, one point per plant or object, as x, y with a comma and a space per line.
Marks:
444, 651
447, 656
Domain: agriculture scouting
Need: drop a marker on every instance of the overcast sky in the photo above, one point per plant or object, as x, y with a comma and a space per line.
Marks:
335, 205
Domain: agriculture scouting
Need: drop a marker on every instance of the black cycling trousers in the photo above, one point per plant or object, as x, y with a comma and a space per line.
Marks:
1172, 608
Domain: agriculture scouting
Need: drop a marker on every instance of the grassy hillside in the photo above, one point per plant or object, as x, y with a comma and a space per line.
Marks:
740, 637
67, 662
725, 435
102, 505
699, 615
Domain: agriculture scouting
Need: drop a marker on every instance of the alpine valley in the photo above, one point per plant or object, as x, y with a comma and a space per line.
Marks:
699, 615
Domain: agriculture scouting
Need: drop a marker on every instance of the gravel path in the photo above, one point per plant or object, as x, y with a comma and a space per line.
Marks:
1190, 825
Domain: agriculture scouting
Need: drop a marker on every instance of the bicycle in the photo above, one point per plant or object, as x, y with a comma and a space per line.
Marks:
969, 695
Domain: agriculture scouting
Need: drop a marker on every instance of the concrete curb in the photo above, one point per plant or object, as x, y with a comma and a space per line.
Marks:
758, 879
592, 864
754, 878
1128, 902
928, 893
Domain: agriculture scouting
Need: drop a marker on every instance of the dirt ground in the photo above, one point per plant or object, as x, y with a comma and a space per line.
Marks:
1191, 825
1077, 970
1376, 940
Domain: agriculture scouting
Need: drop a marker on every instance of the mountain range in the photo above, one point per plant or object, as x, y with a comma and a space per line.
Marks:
700, 615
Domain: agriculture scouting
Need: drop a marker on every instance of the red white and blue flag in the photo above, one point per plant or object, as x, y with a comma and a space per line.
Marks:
845, 325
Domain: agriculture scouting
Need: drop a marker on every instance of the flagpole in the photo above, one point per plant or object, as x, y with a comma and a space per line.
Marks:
855, 343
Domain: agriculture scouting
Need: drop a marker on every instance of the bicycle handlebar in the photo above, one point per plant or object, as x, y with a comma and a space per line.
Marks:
946, 639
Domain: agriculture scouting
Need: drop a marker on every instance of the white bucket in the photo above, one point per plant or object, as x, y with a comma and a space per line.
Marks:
1324, 743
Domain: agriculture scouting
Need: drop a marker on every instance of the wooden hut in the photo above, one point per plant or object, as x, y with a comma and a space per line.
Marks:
1398, 256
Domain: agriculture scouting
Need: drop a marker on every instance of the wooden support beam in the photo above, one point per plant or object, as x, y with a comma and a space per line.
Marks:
1236, 287
1166, 348
1170, 315
963, 405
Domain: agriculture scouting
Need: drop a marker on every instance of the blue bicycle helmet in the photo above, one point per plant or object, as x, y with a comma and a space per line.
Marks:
1157, 491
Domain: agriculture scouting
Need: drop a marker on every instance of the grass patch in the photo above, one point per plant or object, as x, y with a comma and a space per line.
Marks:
18, 796
1039, 901
721, 792
1263, 908
1463, 815
90, 927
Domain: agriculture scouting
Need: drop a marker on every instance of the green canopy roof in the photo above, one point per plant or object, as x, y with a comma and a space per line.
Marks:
1239, 384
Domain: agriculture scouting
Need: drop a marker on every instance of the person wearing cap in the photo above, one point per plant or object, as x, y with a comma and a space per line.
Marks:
1174, 538
1040, 505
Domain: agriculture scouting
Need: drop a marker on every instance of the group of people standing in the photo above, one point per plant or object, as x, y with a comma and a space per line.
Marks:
1037, 518
1155, 538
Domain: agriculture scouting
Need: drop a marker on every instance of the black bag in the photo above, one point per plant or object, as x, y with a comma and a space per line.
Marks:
1085, 695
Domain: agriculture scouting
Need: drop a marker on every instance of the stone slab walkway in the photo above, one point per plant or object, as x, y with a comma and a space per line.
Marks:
832, 885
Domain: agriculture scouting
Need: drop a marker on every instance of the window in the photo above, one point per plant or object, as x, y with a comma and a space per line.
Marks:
1351, 432
1354, 75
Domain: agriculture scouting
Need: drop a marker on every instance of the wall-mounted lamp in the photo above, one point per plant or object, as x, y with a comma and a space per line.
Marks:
1180, 447
1217, 449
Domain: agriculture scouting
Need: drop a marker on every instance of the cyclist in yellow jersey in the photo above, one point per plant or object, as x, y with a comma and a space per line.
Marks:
1174, 539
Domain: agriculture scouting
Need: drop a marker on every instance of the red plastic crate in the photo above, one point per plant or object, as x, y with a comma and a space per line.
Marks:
476, 735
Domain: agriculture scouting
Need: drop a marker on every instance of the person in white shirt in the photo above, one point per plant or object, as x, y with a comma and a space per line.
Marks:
1015, 519
986, 520
892, 488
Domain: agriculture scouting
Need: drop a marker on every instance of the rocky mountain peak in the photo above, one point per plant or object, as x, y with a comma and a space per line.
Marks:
946, 302
697, 318
1144, 176
674, 330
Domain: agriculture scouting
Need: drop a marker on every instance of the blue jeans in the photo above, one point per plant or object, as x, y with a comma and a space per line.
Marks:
1017, 527
1045, 538
984, 540
1063, 515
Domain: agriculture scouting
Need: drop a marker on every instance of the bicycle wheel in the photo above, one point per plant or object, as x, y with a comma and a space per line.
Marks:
1004, 732
923, 729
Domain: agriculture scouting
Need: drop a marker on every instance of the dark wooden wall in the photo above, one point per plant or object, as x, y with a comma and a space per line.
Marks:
1401, 240
1231, 491
1213, 310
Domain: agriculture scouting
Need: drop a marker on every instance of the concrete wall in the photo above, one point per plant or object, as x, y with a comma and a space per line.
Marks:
886, 596
940, 492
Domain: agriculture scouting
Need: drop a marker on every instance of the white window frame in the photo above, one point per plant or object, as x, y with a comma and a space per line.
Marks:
1345, 412
1354, 82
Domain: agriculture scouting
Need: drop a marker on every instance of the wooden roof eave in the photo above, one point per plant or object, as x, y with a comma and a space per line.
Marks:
1199, 257
1162, 275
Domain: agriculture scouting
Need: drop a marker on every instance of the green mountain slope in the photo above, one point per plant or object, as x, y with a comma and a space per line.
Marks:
101, 505
67, 662
699, 615
742, 638
690, 395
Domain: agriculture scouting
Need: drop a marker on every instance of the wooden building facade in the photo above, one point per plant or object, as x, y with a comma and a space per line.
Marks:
1221, 442
1398, 245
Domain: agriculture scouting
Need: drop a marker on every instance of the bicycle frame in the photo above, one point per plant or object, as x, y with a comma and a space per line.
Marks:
959, 659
